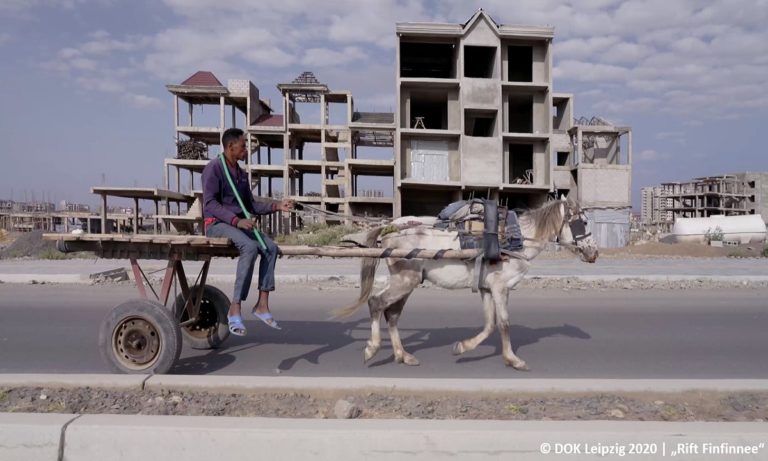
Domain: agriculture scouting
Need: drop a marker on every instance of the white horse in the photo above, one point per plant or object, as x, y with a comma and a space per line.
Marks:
557, 220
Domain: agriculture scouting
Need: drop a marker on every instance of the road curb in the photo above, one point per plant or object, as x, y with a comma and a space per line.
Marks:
32, 436
413, 385
98, 437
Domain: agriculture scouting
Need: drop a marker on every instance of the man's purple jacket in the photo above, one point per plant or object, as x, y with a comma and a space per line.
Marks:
219, 202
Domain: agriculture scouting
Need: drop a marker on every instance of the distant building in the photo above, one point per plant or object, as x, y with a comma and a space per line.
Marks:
34, 207
74, 207
729, 195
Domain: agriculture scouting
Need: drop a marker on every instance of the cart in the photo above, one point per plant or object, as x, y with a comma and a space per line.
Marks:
145, 335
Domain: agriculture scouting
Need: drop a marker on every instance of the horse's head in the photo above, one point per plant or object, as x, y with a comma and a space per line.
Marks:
573, 231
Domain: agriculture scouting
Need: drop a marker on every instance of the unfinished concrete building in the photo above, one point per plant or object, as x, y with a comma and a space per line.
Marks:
313, 160
756, 190
477, 116
707, 196
733, 194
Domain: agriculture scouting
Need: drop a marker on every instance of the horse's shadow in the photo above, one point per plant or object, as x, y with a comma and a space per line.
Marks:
330, 336
429, 338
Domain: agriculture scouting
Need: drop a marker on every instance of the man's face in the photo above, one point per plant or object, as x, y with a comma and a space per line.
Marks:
237, 149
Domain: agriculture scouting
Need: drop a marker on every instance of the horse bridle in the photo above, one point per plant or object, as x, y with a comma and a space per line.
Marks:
578, 228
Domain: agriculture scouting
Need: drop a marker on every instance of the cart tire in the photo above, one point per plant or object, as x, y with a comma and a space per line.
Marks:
140, 337
211, 329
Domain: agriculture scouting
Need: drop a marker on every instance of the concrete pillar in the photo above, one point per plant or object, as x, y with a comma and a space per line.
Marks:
166, 175
222, 122
286, 153
178, 189
323, 111
104, 214
579, 153
350, 110
176, 116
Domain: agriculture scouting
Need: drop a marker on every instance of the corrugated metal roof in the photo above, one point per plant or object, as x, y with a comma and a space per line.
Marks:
202, 78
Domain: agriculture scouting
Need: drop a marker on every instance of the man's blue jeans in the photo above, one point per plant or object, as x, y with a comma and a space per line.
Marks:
249, 249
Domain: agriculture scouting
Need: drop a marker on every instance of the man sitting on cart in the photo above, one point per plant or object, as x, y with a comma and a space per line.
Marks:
228, 206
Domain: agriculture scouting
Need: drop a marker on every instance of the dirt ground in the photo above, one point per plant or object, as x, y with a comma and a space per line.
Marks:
26, 244
686, 250
687, 406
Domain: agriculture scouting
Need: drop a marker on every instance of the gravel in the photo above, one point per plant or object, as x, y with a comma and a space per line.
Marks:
28, 244
684, 406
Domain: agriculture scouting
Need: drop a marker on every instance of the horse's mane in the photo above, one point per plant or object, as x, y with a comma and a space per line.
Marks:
546, 219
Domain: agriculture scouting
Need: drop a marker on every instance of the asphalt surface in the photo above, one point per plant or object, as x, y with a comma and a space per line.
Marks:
565, 266
561, 334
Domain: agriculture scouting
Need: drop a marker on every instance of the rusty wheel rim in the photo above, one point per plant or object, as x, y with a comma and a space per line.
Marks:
136, 343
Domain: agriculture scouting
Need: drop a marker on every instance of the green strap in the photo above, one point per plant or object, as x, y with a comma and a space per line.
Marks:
256, 232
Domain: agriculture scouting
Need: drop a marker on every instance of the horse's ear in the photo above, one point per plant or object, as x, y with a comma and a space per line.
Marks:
563, 197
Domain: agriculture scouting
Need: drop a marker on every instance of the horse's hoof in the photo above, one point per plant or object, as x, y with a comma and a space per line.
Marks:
368, 354
411, 360
458, 348
519, 365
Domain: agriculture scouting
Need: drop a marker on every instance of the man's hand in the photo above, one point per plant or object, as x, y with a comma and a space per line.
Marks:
245, 224
285, 205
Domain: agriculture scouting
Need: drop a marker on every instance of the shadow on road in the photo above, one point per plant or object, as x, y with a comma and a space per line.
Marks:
331, 336
420, 339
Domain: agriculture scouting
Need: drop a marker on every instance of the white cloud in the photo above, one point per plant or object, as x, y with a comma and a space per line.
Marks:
648, 155
682, 57
144, 101
16, 6
670, 134
270, 56
324, 57
581, 48
589, 72
615, 105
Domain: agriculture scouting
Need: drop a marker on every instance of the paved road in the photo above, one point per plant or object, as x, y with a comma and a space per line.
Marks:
566, 266
576, 334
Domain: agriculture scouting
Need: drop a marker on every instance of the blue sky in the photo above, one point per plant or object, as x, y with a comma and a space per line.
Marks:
83, 81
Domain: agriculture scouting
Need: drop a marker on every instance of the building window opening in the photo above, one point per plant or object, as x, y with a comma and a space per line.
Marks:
520, 113
480, 123
426, 60
520, 63
479, 61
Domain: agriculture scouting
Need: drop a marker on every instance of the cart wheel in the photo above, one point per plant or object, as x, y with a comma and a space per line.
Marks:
140, 336
211, 328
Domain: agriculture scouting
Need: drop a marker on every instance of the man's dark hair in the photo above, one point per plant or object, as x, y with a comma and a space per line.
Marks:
230, 136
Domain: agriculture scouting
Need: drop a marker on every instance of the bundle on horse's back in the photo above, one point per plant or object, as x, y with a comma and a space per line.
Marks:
478, 222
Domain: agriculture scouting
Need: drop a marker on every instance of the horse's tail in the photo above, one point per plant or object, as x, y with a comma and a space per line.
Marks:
367, 276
